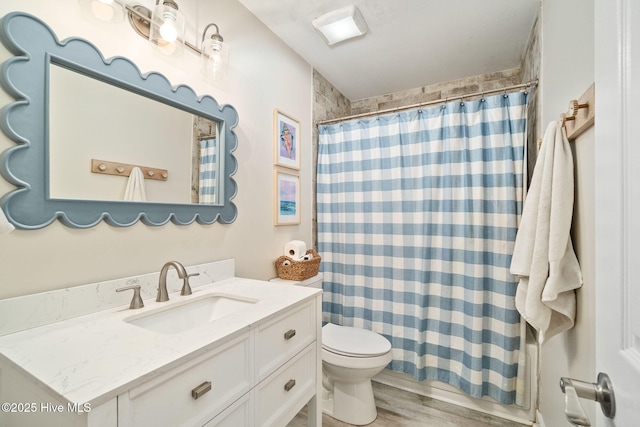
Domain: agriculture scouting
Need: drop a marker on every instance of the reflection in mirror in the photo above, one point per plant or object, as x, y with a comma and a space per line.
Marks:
89, 119
36, 202
207, 162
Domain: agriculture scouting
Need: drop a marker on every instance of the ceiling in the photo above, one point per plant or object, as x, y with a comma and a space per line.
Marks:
410, 43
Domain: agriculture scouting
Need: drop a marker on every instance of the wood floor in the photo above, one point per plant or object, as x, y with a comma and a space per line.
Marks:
398, 408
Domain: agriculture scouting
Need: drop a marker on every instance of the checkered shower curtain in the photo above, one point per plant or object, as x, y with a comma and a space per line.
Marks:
417, 218
208, 170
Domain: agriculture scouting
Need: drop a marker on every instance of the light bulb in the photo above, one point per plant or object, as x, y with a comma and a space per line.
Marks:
103, 10
167, 28
215, 63
215, 60
168, 31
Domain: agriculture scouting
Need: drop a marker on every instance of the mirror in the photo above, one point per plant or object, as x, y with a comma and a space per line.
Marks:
122, 125
74, 108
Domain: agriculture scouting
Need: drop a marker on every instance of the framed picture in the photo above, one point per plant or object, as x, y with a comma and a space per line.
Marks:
287, 203
286, 140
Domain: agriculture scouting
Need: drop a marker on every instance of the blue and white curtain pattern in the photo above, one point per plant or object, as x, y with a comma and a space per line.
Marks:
417, 218
208, 170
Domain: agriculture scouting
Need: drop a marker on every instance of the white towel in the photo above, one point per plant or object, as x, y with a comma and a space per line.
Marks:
135, 186
543, 256
5, 225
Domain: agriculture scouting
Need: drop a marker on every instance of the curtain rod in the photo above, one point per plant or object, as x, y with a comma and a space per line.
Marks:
203, 137
532, 83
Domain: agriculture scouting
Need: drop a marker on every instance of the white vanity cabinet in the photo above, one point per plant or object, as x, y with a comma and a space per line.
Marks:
273, 367
194, 393
262, 373
29, 404
240, 413
280, 339
281, 395
287, 364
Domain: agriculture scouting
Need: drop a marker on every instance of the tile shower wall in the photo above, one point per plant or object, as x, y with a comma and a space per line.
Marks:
328, 103
530, 71
453, 89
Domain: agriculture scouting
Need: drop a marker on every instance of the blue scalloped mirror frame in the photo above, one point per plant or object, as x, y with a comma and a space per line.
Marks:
26, 78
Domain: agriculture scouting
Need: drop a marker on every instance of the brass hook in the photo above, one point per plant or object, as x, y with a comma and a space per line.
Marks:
574, 107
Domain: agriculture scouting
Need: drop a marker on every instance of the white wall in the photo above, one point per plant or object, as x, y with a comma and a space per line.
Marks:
567, 71
264, 74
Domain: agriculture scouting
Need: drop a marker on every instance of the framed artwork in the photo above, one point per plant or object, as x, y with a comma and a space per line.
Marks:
287, 199
286, 140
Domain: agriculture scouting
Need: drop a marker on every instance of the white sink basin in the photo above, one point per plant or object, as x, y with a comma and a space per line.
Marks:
180, 317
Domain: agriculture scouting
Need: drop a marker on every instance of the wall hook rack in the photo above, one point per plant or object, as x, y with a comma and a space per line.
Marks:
581, 114
124, 169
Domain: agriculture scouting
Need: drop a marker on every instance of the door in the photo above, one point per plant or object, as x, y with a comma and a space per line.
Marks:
617, 194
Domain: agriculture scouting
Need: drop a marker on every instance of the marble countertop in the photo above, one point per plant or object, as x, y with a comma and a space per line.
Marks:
95, 357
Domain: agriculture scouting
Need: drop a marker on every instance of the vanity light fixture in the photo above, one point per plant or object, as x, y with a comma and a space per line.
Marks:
165, 27
214, 55
340, 25
165, 30
106, 10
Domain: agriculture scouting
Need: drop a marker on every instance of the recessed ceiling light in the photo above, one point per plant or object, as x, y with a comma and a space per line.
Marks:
340, 25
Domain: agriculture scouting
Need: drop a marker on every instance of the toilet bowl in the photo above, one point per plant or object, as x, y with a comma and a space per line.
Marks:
350, 358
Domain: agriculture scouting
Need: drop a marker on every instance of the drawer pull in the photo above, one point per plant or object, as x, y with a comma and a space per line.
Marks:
289, 334
199, 391
289, 385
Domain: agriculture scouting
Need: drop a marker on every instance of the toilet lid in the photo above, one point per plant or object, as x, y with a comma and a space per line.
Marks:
350, 341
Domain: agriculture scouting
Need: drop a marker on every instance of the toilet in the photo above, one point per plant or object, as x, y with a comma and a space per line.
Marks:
350, 358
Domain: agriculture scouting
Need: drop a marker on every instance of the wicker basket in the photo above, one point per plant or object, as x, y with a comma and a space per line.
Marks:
291, 269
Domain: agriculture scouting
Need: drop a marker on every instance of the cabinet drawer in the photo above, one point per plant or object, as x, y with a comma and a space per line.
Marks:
279, 340
237, 415
281, 396
169, 400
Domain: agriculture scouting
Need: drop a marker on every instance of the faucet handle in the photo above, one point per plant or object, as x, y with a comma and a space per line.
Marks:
186, 288
136, 301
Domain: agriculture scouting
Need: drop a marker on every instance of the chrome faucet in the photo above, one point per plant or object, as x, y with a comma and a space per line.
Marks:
163, 295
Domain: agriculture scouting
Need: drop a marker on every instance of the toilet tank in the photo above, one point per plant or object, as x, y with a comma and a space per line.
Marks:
312, 282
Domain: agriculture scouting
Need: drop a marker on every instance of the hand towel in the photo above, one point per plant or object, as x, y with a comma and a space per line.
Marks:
543, 257
5, 225
135, 186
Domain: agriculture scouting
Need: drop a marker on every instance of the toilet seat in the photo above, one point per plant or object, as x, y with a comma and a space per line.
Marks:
353, 342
